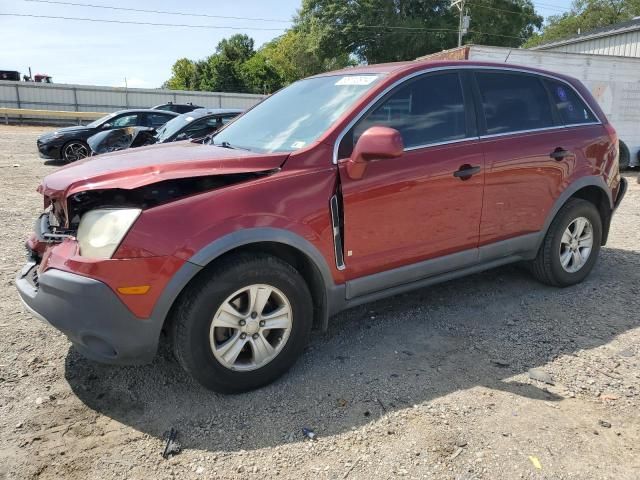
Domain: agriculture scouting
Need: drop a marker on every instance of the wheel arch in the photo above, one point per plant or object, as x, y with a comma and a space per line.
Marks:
592, 189
283, 244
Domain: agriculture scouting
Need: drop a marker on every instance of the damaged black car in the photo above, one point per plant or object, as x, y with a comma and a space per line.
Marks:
188, 126
71, 143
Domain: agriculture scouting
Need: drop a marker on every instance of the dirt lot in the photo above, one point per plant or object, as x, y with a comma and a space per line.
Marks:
432, 384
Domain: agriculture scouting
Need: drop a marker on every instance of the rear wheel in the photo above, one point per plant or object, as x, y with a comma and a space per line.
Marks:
75, 150
244, 325
571, 246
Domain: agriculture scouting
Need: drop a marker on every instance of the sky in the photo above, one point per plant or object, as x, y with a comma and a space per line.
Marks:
93, 53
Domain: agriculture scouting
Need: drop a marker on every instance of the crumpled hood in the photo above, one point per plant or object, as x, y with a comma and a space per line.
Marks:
129, 169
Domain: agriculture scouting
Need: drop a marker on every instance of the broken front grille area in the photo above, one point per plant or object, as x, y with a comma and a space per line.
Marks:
48, 228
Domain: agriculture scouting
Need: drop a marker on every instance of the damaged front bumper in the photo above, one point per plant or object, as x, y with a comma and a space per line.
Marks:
90, 314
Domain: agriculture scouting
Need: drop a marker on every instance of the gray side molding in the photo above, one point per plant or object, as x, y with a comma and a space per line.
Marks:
263, 234
234, 240
591, 181
285, 237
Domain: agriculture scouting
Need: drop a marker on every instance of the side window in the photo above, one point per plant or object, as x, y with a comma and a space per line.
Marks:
227, 119
125, 121
156, 120
570, 106
427, 110
200, 128
513, 102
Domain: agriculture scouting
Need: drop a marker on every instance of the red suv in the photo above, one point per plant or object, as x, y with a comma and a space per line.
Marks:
340, 189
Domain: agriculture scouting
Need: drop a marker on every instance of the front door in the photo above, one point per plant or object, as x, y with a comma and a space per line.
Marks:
416, 207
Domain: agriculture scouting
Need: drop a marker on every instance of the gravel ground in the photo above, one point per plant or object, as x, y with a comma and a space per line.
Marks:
432, 384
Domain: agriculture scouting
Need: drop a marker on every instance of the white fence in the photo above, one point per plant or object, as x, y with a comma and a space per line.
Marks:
84, 98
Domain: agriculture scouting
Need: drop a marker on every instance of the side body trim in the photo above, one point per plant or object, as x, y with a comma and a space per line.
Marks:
591, 181
412, 276
425, 282
238, 239
337, 236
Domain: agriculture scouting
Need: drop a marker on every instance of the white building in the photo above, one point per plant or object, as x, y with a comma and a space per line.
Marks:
621, 40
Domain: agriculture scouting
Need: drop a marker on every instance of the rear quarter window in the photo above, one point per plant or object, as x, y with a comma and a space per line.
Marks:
572, 109
513, 102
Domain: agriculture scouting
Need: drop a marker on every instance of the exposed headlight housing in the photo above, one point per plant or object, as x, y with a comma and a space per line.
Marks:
101, 231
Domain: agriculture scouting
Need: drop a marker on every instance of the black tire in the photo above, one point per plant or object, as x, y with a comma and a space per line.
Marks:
625, 156
64, 158
546, 267
193, 315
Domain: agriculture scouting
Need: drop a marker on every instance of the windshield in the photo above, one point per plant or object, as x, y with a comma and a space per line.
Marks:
173, 126
295, 116
100, 121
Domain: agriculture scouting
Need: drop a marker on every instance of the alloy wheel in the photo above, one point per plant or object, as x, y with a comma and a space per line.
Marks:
251, 327
75, 151
576, 245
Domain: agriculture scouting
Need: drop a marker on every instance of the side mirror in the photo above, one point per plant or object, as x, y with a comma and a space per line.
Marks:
106, 125
182, 136
376, 143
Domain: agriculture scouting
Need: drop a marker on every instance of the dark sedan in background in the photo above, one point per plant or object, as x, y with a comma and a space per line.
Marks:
193, 125
70, 143
177, 107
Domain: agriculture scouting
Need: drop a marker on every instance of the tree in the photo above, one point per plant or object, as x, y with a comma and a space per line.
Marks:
375, 31
332, 34
220, 72
296, 55
260, 75
183, 76
502, 23
585, 15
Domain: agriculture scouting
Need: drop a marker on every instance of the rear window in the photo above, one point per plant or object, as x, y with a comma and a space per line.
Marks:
570, 106
513, 102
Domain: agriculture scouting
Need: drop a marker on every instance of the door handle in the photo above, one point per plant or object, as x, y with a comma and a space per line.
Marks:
466, 171
560, 154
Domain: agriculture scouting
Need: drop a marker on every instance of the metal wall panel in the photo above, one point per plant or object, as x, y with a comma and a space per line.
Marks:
621, 45
85, 98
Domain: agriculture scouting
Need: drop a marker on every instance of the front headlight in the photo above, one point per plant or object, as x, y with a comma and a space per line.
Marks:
101, 231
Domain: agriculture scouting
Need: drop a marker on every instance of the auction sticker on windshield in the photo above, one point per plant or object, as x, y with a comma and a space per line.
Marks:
357, 80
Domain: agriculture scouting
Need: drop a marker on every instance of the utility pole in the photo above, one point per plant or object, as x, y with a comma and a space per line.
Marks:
463, 21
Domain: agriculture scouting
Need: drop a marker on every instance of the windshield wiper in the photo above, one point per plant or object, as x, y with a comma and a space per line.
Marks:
228, 145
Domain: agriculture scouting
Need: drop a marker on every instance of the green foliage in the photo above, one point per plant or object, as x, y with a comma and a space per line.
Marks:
377, 31
332, 34
585, 15
183, 75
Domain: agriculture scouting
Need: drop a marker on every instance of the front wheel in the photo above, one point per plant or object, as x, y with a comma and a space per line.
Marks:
571, 245
74, 151
243, 325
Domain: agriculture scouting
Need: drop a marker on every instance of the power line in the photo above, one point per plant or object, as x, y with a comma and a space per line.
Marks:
487, 6
550, 6
277, 20
161, 12
392, 29
131, 22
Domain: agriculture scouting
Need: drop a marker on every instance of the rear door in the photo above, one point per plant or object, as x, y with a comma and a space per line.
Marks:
414, 207
520, 131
